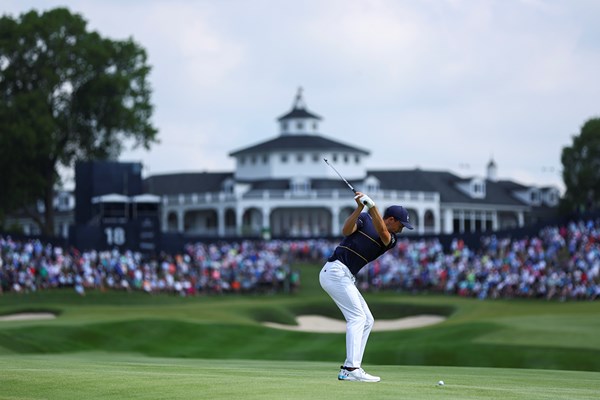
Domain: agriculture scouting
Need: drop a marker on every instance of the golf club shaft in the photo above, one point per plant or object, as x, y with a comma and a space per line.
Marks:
336, 171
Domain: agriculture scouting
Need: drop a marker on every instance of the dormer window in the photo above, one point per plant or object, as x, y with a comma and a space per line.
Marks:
478, 188
300, 125
475, 188
228, 186
372, 184
534, 197
300, 157
551, 197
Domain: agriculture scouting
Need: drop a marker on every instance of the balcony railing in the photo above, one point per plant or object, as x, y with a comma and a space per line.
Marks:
320, 194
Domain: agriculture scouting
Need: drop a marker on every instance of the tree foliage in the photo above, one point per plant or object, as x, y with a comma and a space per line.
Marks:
67, 94
581, 170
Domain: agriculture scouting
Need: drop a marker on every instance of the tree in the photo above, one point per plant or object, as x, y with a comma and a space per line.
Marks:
67, 94
581, 170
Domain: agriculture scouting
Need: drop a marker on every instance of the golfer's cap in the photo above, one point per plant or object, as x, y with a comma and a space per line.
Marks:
399, 213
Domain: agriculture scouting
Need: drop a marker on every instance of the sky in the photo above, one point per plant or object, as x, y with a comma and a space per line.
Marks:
434, 84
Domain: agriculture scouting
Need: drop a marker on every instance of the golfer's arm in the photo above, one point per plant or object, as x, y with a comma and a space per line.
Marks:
350, 224
380, 226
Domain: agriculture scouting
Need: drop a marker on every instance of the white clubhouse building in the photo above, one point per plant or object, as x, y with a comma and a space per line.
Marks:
281, 187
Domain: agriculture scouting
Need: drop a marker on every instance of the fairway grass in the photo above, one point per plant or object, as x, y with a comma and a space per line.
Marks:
96, 375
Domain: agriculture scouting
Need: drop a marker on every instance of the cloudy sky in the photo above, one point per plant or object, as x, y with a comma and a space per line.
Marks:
435, 84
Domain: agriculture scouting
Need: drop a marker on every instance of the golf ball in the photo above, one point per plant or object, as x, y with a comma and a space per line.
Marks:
440, 383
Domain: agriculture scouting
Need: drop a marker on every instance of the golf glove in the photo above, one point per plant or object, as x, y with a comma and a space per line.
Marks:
367, 201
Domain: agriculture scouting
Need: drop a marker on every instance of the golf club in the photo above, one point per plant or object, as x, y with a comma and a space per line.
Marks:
336, 171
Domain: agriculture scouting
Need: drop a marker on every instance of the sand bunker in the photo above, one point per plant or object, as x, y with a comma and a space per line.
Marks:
26, 316
320, 324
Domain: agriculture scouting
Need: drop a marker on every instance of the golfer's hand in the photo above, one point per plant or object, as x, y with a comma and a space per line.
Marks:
364, 200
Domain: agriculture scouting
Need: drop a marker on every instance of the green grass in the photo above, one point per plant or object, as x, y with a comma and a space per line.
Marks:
103, 376
132, 345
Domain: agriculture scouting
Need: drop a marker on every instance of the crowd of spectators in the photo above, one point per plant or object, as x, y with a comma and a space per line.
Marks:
559, 263
248, 266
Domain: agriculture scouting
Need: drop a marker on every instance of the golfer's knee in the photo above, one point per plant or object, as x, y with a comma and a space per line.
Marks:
358, 320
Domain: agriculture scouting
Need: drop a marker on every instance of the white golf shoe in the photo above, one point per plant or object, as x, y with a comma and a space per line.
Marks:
358, 375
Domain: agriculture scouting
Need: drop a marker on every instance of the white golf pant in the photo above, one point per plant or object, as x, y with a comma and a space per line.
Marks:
337, 280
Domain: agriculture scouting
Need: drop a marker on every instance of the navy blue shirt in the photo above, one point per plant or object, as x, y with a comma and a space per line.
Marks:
362, 246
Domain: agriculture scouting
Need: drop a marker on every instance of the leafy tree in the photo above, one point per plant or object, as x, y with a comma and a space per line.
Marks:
67, 94
581, 170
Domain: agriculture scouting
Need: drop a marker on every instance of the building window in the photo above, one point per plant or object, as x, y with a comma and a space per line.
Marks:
315, 158
300, 185
477, 189
300, 125
265, 159
284, 126
284, 158
552, 198
334, 157
357, 159
253, 160
242, 160
346, 158
228, 186
300, 157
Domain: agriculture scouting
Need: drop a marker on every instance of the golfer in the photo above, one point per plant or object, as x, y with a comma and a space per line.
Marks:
367, 235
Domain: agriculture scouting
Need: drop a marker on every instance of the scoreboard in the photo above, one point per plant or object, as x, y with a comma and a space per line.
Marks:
111, 210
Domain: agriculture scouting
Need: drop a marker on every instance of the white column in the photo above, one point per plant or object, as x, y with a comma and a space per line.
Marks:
448, 221
335, 225
266, 213
164, 220
220, 222
521, 218
180, 216
239, 213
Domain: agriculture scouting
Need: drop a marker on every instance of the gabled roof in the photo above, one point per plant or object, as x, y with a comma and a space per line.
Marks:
298, 142
298, 113
416, 180
299, 109
111, 198
187, 182
444, 183
145, 198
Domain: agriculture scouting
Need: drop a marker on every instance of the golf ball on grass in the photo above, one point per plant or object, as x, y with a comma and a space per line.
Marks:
440, 383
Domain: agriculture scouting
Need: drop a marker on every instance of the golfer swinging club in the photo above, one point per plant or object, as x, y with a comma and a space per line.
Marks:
366, 237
